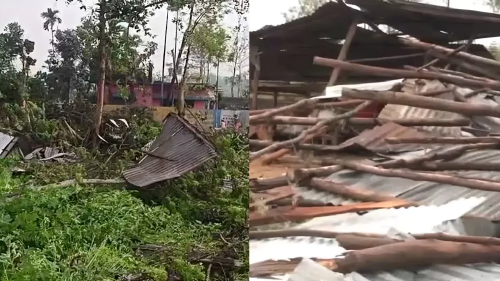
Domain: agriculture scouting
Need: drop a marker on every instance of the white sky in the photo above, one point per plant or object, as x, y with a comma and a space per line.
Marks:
270, 12
27, 14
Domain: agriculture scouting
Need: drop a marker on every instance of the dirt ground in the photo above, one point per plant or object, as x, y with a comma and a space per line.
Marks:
257, 170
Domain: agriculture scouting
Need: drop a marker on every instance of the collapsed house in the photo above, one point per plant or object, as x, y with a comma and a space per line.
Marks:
393, 162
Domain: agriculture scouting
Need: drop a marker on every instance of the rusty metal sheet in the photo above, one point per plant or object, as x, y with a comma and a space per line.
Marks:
411, 86
374, 139
179, 149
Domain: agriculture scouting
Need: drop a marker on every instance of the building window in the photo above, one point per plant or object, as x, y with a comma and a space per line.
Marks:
190, 103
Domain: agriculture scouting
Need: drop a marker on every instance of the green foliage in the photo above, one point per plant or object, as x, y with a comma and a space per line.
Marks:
86, 233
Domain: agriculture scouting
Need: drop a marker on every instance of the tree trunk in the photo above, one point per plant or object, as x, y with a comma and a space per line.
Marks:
52, 36
163, 62
181, 48
181, 93
217, 98
208, 72
234, 65
182, 85
239, 81
102, 69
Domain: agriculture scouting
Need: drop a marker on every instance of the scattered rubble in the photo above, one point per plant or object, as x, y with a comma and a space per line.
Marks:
429, 155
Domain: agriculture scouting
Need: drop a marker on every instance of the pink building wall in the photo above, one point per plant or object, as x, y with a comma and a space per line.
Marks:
144, 96
199, 104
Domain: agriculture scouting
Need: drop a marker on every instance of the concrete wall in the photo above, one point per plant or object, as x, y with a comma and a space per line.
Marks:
205, 117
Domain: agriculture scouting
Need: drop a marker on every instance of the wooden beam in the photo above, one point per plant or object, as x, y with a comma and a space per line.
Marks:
343, 52
254, 84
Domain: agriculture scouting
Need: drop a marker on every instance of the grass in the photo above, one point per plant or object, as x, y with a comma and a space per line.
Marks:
93, 233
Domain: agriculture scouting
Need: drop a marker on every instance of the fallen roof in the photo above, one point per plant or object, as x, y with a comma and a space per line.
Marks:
426, 22
179, 149
415, 220
427, 193
287, 49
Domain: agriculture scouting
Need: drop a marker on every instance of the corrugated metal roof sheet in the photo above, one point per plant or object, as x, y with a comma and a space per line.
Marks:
308, 270
6, 144
422, 192
395, 111
423, 219
179, 149
374, 139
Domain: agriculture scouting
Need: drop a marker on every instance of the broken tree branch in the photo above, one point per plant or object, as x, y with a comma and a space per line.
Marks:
67, 183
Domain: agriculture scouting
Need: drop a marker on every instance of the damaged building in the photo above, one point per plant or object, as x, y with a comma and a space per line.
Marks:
385, 145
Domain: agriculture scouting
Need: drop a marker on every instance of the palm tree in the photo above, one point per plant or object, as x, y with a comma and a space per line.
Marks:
51, 19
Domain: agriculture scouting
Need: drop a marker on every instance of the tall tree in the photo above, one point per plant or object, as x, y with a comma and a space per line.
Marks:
14, 50
494, 5
51, 18
133, 12
208, 44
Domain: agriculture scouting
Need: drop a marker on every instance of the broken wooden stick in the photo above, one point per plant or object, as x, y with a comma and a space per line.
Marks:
427, 46
291, 214
476, 69
306, 103
434, 61
445, 140
308, 121
282, 233
446, 154
392, 256
265, 184
313, 130
347, 191
424, 102
431, 177
401, 73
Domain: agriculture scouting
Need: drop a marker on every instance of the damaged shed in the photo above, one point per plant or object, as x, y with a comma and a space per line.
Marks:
410, 192
179, 149
351, 31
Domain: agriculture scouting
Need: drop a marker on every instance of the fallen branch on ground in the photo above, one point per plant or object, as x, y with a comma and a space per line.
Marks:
67, 183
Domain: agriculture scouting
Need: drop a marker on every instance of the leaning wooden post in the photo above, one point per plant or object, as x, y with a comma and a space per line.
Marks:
275, 97
254, 84
336, 71
343, 52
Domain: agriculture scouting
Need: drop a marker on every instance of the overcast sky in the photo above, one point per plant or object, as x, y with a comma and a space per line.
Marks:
27, 14
270, 12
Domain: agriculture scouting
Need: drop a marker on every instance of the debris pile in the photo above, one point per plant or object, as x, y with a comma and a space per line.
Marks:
428, 156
